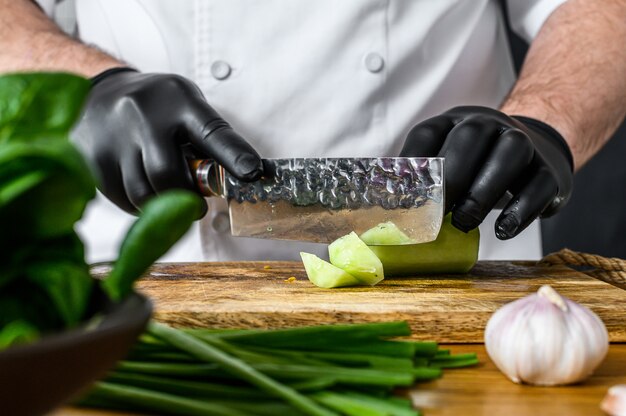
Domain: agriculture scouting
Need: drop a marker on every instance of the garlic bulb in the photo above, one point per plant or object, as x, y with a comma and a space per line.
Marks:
546, 339
614, 402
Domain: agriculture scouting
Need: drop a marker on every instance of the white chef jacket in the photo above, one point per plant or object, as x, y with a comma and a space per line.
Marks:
321, 78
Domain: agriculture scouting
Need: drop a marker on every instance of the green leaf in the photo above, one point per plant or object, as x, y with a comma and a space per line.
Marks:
45, 185
24, 300
68, 284
163, 221
12, 189
12, 260
40, 104
44, 182
17, 332
44, 189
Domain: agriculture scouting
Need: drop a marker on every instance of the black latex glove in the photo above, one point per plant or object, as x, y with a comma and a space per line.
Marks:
489, 153
136, 129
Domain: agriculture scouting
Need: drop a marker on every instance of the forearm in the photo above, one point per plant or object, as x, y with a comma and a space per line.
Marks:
574, 76
29, 41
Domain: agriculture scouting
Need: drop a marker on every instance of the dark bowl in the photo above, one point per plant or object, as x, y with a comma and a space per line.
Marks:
38, 377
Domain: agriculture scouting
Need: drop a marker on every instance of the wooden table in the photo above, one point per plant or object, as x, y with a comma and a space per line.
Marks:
484, 391
453, 309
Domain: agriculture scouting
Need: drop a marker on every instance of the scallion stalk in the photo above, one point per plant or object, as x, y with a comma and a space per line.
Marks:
208, 353
146, 400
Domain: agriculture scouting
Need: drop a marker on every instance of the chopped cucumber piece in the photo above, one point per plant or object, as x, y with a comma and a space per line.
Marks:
355, 257
323, 274
452, 252
385, 234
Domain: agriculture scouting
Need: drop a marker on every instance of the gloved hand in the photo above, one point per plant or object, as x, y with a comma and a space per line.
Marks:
489, 153
136, 129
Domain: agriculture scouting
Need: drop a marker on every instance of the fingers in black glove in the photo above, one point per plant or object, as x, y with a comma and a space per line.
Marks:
213, 137
465, 150
507, 160
489, 154
527, 205
424, 140
135, 127
137, 186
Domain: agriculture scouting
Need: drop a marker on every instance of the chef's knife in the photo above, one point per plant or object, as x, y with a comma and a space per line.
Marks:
322, 199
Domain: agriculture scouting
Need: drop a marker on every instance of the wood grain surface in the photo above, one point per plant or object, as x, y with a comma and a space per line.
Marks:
445, 308
484, 391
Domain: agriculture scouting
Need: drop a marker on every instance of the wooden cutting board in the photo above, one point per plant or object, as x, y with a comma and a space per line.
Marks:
448, 308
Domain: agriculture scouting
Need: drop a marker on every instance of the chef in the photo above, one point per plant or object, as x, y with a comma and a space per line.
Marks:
234, 80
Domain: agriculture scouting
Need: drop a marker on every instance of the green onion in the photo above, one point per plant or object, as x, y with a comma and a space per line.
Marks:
344, 375
326, 370
187, 388
146, 400
386, 348
345, 405
425, 348
165, 356
236, 367
357, 360
454, 361
171, 369
442, 353
399, 407
426, 373
311, 337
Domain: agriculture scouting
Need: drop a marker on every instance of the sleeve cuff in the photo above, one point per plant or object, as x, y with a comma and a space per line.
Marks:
550, 131
47, 6
527, 17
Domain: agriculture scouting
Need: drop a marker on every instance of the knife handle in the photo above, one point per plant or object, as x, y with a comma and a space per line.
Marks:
209, 176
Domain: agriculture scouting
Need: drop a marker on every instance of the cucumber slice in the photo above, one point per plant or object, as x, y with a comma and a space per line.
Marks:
323, 274
355, 257
385, 234
452, 252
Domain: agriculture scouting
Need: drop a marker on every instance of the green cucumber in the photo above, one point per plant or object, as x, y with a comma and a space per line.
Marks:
452, 252
323, 274
386, 233
355, 257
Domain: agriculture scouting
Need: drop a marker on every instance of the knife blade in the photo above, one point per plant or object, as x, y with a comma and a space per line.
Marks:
322, 199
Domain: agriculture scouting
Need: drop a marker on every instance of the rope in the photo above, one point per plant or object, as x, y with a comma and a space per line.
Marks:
608, 269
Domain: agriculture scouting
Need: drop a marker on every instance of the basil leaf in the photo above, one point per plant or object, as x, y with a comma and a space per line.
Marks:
17, 332
22, 299
45, 185
14, 258
44, 189
34, 105
67, 283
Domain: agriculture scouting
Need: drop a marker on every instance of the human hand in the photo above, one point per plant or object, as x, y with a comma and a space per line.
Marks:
136, 128
488, 153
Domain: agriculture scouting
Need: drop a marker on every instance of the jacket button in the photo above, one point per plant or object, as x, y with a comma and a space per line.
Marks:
221, 222
220, 70
374, 62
